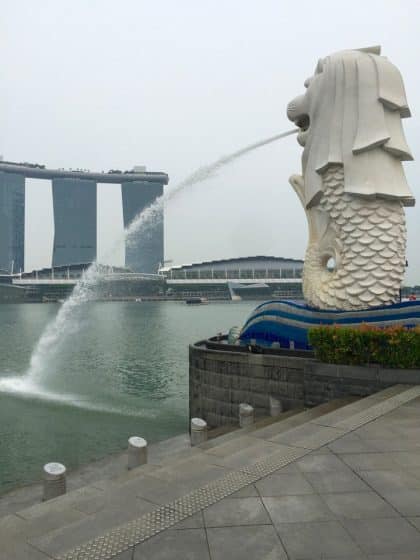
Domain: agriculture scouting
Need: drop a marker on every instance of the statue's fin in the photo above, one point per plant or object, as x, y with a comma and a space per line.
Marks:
298, 184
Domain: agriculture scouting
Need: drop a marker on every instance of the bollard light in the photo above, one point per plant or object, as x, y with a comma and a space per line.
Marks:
137, 452
246, 415
54, 482
198, 431
276, 406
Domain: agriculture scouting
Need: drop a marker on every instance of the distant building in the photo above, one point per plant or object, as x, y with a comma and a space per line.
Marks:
113, 282
243, 277
144, 249
12, 222
74, 203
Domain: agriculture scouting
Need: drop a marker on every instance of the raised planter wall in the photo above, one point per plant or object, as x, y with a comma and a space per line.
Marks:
222, 379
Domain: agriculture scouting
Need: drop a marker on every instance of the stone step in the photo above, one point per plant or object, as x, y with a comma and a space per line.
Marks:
166, 459
359, 405
97, 473
302, 418
70, 520
175, 454
324, 429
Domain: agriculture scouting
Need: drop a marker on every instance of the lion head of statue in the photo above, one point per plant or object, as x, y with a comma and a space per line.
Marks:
351, 115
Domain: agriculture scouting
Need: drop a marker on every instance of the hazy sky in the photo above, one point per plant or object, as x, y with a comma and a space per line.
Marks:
173, 85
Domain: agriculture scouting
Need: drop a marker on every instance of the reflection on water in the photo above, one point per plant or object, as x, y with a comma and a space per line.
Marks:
124, 372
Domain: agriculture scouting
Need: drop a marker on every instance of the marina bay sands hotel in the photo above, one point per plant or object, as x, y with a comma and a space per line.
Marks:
74, 205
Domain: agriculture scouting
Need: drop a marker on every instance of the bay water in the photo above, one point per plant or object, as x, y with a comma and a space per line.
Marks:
123, 372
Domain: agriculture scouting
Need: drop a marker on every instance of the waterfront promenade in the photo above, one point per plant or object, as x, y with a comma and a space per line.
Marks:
339, 481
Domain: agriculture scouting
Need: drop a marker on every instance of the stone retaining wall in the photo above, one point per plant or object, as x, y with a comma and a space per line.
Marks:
221, 379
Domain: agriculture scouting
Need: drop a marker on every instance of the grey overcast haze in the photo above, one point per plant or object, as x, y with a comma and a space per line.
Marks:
174, 85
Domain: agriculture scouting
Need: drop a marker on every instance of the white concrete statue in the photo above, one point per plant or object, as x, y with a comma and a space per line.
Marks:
353, 187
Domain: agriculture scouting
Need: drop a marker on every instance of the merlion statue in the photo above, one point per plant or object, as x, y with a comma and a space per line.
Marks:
353, 187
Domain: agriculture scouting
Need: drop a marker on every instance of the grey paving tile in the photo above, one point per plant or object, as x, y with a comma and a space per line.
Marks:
156, 490
20, 498
20, 551
239, 543
126, 555
282, 426
246, 457
414, 403
415, 521
336, 481
57, 505
73, 534
170, 484
409, 459
180, 457
389, 480
198, 470
247, 492
384, 536
289, 469
358, 505
279, 484
295, 509
350, 443
236, 511
318, 540
190, 544
402, 413
375, 430
321, 463
116, 497
50, 520
11, 526
309, 436
396, 556
352, 557
405, 500
393, 444
323, 449
196, 521
343, 412
370, 461
320, 451
239, 443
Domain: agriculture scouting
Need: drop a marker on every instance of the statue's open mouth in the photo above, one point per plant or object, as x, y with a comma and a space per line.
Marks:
303, 122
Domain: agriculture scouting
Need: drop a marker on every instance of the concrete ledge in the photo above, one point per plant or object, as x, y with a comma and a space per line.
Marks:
222, 376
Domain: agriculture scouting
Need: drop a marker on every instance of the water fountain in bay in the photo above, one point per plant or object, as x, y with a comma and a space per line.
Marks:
69, 316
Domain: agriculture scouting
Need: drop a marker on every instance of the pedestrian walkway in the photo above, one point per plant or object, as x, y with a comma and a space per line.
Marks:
327, 483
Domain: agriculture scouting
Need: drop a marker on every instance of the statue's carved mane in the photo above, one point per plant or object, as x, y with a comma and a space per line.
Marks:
357, 100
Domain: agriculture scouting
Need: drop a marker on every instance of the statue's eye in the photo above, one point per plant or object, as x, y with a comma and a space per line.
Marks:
307, 82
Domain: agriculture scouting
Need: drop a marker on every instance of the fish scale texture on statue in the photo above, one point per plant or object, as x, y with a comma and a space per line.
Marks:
357, 276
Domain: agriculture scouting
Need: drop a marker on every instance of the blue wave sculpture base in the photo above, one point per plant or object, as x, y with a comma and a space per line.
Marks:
287, 322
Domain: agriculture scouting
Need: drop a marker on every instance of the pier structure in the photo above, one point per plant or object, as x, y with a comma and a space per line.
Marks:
75, 214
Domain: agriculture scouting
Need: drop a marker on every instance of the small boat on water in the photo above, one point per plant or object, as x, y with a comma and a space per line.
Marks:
196, 300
